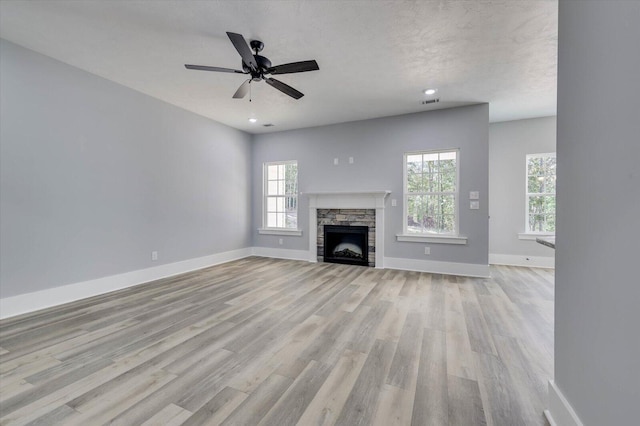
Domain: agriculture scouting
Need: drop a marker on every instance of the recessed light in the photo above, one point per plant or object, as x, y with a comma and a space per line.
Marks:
253, 120
430, 91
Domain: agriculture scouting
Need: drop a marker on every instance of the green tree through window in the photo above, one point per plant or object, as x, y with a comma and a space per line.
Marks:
541, 193
431, 192
281, 195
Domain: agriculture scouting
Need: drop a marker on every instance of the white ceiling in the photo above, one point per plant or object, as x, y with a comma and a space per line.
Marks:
375, 57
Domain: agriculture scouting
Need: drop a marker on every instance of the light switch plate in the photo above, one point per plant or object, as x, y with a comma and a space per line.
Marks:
474, 205
394, 202
474, 195
350, 160
335, 161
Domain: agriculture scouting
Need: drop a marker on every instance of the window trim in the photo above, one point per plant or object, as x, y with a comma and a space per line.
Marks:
528, 234
433, 239
280, 231
266, 230
446, 238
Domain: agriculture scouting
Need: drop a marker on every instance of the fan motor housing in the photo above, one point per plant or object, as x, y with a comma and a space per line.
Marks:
263, 64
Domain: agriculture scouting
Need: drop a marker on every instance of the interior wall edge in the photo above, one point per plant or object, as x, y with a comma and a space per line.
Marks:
560, 411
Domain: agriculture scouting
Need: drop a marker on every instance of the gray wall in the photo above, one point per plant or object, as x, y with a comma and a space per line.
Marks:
597, 347
378, 147
509, 144
94, 176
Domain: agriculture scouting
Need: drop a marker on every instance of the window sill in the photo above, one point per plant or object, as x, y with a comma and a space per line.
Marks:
530, 236
434, 239
280, 231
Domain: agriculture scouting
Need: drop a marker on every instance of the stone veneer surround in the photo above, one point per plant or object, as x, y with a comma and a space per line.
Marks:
348, 200
347, 217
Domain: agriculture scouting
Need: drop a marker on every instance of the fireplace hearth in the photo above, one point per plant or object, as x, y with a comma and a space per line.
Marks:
346, 244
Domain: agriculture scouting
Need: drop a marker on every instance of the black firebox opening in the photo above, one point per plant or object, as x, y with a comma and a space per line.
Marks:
346, 244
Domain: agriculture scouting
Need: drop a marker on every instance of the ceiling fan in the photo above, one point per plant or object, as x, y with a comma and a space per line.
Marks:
259, 67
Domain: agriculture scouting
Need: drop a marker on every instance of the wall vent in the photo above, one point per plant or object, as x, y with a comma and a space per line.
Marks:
430, 101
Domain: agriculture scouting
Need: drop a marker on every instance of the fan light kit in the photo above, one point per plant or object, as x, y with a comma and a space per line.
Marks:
258, 66
253, 120
430, 91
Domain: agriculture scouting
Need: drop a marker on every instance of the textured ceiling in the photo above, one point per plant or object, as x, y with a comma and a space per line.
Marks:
375, 57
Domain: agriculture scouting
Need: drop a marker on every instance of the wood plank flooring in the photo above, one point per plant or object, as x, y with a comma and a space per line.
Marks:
275, 342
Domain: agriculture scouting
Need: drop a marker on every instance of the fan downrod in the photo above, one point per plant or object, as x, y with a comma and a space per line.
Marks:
263, 62
256, 45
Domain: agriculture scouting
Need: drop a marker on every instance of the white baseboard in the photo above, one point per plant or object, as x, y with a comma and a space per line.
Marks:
560, 411
279, 253
29, 302
450, 268
547, 415
517, 260
437, 267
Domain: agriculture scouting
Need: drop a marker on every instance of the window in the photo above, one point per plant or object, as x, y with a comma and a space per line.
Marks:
281, 195
431, 192
541, 193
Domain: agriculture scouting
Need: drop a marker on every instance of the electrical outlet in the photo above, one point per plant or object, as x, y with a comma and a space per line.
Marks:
280, 241
427, 250
394, 202
474, 195
154, 255
350, 160
474, 205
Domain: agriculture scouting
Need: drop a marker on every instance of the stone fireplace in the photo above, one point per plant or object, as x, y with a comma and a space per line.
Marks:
352, 209
351, 229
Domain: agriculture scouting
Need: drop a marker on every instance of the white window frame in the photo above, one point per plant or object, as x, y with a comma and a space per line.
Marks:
532, 234
265, 182
439, 238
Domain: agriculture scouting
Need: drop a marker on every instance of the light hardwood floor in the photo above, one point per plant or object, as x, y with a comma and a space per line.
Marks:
277, 342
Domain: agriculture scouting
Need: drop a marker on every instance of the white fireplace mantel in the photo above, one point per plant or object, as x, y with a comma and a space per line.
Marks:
347, 200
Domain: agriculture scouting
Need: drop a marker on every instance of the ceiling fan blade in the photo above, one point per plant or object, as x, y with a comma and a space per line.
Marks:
284, 88
294, 67
243, 49
206, 68
242, 90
